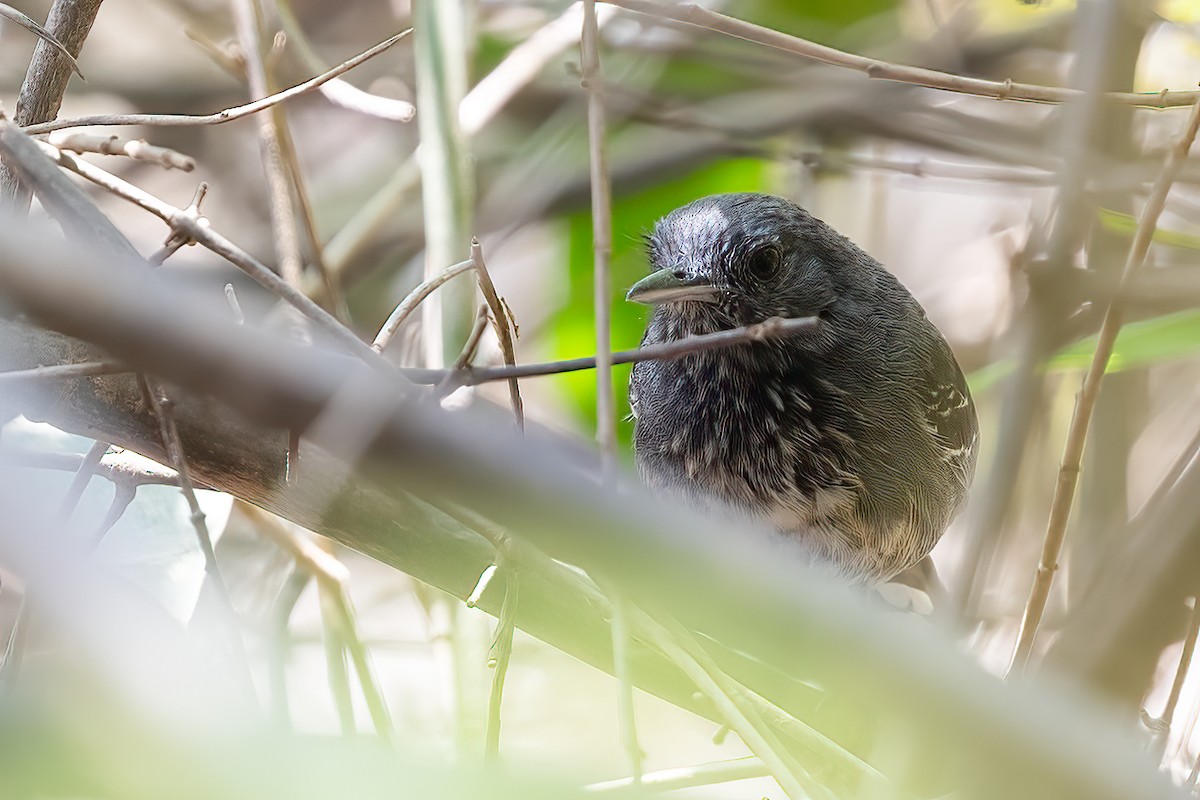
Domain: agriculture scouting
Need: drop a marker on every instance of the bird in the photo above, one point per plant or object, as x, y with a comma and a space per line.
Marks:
857, 436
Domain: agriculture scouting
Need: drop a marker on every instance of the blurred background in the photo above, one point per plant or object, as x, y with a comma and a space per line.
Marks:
1009, 221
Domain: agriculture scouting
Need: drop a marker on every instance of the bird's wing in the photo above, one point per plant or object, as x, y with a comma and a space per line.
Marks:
949, 411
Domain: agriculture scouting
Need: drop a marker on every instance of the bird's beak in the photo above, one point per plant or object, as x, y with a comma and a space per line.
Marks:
665, 286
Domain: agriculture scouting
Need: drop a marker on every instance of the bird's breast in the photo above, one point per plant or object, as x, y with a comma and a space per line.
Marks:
758, 438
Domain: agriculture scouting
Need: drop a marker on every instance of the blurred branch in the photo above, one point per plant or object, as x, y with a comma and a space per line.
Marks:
441, 53
501, 653
1047, 257
671, 780
1068, 475
114, 145
741, 588
220, 117
68, 24
481, 104
337, 613
935, 79
339, 92
187, 224
247, 15
57, 371
601, 192
163, 408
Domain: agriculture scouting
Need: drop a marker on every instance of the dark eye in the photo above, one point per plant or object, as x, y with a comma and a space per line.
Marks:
764, 262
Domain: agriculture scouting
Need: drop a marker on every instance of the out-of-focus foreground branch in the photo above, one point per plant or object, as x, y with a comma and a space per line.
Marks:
741, 589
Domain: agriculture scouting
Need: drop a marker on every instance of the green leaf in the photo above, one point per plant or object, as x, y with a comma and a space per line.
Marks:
1139, 344
1126, 225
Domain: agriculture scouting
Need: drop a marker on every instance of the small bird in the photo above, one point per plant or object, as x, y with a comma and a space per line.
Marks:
857, 436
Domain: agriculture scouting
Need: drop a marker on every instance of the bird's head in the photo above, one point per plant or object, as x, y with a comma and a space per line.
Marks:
737, 259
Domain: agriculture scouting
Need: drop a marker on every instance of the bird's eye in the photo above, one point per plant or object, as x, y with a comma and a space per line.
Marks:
764, 262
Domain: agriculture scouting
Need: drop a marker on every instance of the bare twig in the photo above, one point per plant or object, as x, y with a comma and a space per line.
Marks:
110, 144
1068, 474
83, 476
882, 70
85, 369
137, 471
123, 495
1181, 672
671, 780
440, 52
766, 330
46, 36
248, 16
414, 299
226, 115
505, 327
500, 655
622, 666
593, 83
162, 406
337, 91
337, 610
192, 227
522, 64
46, 80
468, 352
794, 781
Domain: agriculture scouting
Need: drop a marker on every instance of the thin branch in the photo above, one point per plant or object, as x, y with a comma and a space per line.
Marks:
796, 783
162, 406
110, 144
499, 657
1068, 474
414, 298
882, 70
505, 327
83, 476
69, 23
623, 666
671, 780
220, 117
123, 495
441, 56
1181, 669
525, 62
249, 23
84, 369
339, 92
773, 328
593, 83
193, 227
135, 471
37, 30
337, 610
469, 350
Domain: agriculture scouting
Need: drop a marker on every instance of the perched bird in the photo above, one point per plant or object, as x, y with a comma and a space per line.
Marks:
858, 436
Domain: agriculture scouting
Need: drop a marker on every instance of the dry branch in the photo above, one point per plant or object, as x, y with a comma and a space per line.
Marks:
874, 68
223, 116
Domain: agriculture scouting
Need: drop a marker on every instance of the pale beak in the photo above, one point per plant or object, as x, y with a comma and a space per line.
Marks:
666, 286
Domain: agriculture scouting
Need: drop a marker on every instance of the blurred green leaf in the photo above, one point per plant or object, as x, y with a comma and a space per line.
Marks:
573, 331
1126, 225
1139, 344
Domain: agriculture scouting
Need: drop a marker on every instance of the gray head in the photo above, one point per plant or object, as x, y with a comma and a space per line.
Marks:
737, 259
